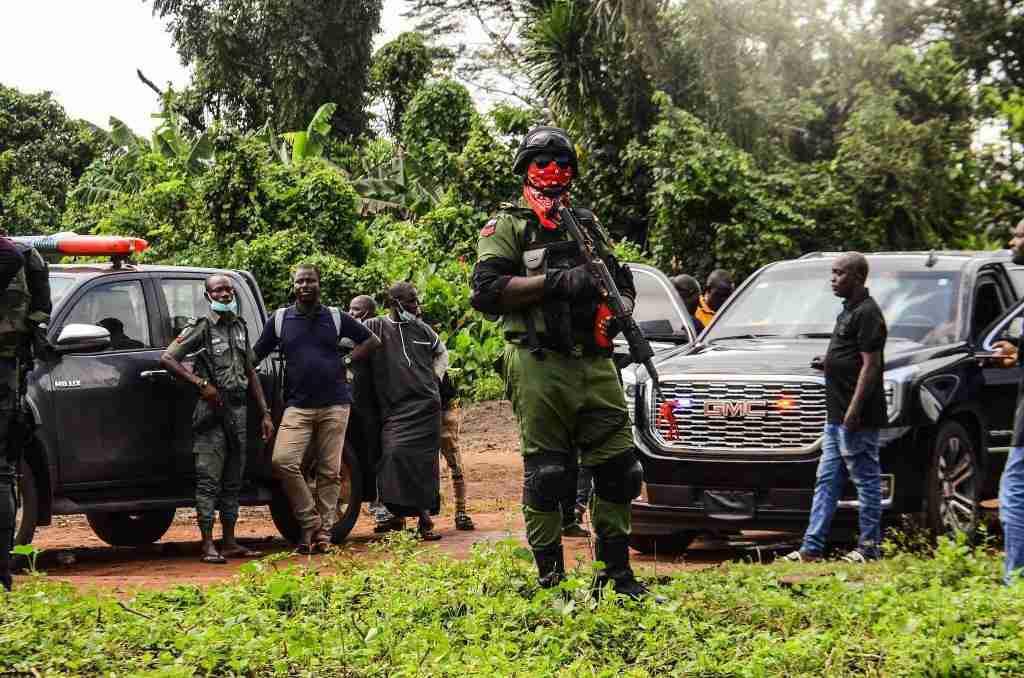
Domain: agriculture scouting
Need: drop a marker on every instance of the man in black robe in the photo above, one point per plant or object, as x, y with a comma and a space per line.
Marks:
406, 370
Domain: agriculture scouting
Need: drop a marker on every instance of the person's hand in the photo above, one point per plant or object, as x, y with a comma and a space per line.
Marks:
210, 394
851, 422
571, 284
818, 362
1005, 354
267, 426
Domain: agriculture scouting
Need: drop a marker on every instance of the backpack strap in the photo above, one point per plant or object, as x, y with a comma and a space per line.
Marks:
336, 317
279, 323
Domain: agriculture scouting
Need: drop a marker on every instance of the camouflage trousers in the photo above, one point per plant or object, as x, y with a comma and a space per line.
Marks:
220, 462
8, 388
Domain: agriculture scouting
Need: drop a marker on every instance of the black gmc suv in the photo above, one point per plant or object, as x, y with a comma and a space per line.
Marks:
733, 439
113, 437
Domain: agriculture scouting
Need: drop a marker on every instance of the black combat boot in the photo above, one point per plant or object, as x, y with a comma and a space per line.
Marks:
614, 553
550, 565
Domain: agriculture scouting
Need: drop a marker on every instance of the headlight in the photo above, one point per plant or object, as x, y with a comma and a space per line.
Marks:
896, 382
631, 401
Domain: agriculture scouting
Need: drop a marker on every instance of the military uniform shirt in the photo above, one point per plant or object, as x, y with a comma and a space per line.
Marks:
504, 237
232, 357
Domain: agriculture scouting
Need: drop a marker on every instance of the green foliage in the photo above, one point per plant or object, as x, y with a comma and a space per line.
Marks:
399, 69
711, 205
436, 127
405, 615
42, 155
271, 61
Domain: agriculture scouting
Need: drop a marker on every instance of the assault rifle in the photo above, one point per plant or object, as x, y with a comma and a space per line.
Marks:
640, 350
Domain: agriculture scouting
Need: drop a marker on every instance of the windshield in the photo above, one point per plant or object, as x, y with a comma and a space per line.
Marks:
658, 312
797, 301
59, 286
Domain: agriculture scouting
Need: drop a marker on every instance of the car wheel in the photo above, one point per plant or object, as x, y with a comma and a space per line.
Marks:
954, 483
665, 544
349, 500
127, 528
27, 516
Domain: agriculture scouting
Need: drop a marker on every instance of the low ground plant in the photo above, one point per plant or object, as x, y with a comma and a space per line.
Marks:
408, 613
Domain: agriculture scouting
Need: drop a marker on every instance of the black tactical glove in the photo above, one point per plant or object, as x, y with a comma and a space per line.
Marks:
570, 284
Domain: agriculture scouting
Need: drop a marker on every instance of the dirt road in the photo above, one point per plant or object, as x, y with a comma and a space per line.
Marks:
72, 553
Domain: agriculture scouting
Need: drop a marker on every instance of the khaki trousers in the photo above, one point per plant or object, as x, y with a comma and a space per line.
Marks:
452, 455
299, 426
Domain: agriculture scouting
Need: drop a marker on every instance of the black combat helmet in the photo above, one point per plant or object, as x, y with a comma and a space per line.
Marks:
541, 139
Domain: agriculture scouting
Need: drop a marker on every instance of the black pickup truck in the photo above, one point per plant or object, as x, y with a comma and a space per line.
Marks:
733, 439
113, 428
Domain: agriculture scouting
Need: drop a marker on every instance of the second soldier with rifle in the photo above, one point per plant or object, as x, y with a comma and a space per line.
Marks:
24, 308
559, 313
224, 370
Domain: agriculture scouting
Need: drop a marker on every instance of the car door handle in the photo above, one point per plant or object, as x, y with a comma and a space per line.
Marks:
153, 374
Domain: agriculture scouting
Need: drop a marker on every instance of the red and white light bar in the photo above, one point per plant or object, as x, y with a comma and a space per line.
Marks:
72, 244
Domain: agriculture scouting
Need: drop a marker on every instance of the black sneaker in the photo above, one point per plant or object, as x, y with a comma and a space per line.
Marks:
575, 531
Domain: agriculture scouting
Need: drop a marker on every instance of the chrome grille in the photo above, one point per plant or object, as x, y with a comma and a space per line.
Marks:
767, 414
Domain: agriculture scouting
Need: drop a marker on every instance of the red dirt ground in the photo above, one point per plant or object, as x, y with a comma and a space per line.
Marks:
490, 448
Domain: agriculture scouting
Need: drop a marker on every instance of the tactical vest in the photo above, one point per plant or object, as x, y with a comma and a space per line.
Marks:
560, 325
14, 304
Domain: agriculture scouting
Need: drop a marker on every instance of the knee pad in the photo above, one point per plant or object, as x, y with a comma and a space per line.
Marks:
619, 479
546, 480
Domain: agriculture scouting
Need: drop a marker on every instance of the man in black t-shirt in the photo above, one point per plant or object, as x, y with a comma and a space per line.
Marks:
855, 403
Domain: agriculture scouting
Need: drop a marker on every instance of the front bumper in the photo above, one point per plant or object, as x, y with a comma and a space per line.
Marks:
667, 509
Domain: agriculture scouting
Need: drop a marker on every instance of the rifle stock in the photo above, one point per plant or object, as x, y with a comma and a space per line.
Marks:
640, 350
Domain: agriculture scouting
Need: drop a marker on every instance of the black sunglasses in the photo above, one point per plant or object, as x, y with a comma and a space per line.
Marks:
541, 160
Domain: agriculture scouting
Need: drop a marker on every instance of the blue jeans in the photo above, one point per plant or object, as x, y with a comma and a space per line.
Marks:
1011, 512
854, 455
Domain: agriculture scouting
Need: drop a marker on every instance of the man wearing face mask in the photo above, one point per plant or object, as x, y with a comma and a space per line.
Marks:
406, 373
719, 287
317, 400
557, 364
225, 368
1011, 484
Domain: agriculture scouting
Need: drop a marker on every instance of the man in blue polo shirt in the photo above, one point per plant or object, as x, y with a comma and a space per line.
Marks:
318, 398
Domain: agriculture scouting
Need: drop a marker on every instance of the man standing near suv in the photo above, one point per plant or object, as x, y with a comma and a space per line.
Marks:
24, 303
1011, 484
225, 369
855, 404
317, 400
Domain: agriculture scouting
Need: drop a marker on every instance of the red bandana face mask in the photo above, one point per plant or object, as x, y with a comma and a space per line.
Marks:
545, 190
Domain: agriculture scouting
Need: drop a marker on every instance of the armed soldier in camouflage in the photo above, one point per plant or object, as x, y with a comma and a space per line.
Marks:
24, 306
564, 388
224, 369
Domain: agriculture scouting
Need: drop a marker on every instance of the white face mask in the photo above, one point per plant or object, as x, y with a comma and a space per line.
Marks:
404, 315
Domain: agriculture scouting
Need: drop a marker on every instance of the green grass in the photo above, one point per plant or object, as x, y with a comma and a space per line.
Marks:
944, 614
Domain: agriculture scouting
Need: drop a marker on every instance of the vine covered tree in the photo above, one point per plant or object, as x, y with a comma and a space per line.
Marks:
275, 61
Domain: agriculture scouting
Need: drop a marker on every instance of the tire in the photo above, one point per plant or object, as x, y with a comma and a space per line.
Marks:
954, 482
349, 502
125, 528
27, 517
668, 544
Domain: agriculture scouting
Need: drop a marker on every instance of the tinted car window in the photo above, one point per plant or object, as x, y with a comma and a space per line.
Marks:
656, 310
60, 285
789, 301
120, 307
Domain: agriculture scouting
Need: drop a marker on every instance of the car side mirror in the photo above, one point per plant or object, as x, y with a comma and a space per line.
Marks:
82, 338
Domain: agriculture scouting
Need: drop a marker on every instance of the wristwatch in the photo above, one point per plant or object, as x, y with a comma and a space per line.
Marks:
347, 360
